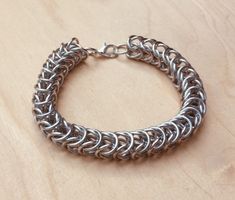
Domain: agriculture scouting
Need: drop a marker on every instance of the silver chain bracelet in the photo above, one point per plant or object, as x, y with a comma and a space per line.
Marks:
120, 144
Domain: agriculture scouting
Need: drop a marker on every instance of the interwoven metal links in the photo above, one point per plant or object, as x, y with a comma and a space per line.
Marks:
126, 144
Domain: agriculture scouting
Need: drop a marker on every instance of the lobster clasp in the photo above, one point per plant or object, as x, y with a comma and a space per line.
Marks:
108, 50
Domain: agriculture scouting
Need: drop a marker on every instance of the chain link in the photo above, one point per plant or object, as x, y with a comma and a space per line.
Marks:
127, 144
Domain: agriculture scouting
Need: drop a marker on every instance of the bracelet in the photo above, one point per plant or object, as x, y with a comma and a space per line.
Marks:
119, 144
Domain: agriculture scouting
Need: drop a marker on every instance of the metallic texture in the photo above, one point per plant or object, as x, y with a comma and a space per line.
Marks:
121, 144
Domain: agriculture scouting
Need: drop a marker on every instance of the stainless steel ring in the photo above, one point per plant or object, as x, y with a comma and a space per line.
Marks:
126, 144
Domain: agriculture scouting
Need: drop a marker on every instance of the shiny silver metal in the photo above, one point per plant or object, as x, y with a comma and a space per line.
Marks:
120, 144
108, 50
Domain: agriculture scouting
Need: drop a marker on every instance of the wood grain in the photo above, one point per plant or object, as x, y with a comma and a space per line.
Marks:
116, 94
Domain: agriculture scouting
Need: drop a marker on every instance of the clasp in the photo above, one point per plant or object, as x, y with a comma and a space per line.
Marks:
108, 50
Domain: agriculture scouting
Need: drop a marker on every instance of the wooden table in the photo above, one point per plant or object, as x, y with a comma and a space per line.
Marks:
114, 95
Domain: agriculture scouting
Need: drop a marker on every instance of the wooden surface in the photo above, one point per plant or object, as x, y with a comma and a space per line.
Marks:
115, 95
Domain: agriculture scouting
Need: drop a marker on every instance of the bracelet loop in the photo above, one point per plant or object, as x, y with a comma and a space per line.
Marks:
120, 144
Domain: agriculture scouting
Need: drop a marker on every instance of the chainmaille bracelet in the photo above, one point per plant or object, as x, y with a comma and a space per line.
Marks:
120, 144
